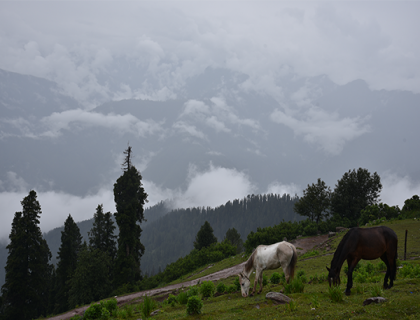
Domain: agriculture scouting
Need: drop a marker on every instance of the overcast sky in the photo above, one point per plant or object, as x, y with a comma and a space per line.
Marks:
94, 50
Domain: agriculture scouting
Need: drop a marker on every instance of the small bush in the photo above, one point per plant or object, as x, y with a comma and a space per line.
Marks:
265, 280
410, 271
194, 305
376, 291
360, 289
147, 306
221, 287
275, 278
172, 300
182, 298
295, 286
207, 289
231, 289
335, 293
93, 312
237, 284
193, 291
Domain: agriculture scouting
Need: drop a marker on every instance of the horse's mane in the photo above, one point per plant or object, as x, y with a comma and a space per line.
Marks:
250, 262
339, 251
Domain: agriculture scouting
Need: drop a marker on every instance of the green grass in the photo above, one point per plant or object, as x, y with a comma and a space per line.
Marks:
315, 302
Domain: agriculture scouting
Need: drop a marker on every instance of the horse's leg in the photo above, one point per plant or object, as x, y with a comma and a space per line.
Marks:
384, 258
257, 275
352, 262
261, 282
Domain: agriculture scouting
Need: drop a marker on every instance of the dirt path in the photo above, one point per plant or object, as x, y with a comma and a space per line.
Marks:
305, 245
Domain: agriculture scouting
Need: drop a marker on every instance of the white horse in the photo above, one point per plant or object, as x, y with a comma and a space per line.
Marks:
268, 257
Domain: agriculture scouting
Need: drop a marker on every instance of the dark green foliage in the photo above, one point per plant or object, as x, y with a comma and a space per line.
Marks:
205, 237
207, 289
315, 202
353, 192
91, 280
102, 310
147, 306
71, 244
335, 293
378, 211
172, 300
290, 230
221, 287
275, 278
28, 272
233, 236
232, 288
295, 286
182, 298
101, 236
194, 305
237, 284
412, 204
192, 291
130, 197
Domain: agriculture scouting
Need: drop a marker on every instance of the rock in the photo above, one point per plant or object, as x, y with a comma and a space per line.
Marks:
331, 234
278, 297
373, 300
154, 313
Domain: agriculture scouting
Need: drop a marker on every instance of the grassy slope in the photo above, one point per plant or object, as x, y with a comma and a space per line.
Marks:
403, 300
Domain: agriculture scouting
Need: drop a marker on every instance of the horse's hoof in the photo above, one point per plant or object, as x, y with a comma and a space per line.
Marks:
347, 293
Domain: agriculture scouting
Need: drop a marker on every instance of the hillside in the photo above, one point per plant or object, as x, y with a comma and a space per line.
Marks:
402, 299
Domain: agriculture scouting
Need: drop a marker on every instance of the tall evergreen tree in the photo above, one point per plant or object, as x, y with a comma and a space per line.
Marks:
71, 242
205, 237
130, 197
354, 192
233, 236
101, 236
315, 202
28, 272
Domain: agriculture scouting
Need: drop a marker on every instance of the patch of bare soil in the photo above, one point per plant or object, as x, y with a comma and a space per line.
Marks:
305, 245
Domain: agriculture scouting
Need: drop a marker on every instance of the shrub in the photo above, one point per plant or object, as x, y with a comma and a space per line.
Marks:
295, 286
376, 291
193, 291
410, 270
147, 306
335, 293
359, 289
237, 284
314, 301
292, 306
232, 288
207, 289
301, 275
275, 278
93, 312
182, 298
194, 305
172, 300
264, 280
221, 287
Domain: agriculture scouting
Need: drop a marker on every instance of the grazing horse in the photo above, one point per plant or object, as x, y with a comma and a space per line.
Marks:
367, 244
268, 257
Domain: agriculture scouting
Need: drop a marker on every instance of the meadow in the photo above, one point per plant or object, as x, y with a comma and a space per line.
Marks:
316, 301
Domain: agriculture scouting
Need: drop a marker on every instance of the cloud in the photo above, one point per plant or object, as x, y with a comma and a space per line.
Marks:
326, 130
212, 187
396, 189
279, 188
121, 123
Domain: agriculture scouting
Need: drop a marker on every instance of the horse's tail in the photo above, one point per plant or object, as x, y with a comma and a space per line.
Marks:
292, 265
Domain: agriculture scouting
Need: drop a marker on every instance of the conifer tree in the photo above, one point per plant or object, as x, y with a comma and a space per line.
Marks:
130, 197
28, 272
101, 236
205, 237
71, 242
233, 236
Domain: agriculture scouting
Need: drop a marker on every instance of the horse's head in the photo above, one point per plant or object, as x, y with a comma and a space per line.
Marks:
333, 277
245, 284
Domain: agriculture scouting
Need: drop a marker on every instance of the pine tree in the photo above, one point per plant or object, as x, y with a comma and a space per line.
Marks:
233, 236
71, 242
130, 197
205, 237
101, 236
28, 272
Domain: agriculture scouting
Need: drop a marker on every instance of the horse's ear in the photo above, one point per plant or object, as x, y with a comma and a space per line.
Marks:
328, 269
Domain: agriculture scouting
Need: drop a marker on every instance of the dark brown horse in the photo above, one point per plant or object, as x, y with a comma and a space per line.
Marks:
366, 244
